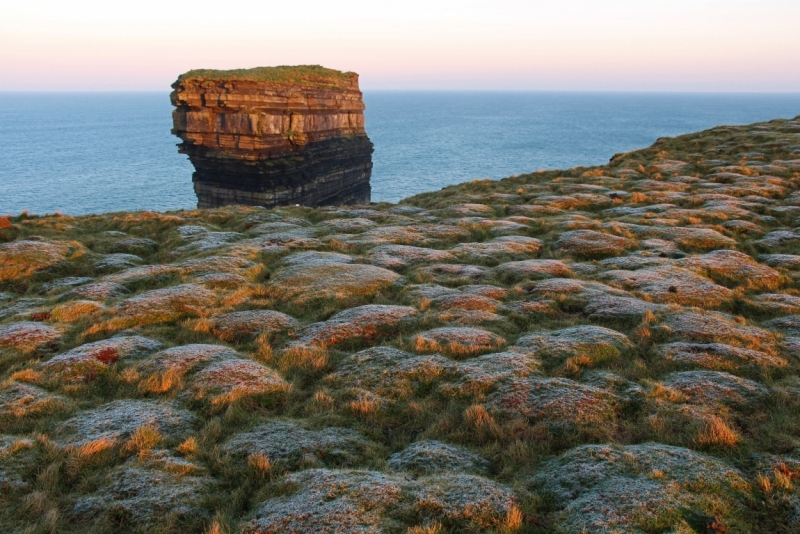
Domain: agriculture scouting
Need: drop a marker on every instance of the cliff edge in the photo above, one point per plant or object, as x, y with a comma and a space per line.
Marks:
613, 349
274, 136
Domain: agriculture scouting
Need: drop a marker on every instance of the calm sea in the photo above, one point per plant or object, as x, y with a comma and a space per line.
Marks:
100, 152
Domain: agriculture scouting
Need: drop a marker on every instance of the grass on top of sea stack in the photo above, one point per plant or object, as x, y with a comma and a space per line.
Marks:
284, 74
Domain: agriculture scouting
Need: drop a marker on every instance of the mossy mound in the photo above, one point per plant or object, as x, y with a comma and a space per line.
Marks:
639, 488
606, 349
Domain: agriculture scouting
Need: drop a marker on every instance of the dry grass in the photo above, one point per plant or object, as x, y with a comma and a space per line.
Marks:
306, 359
365, 406
144, 438
783, 480
477, 416
454, 348
231, 396
264, 350
162, 382
36, 502
482, 424
764, 483
129, 375
28, 406
204, 325
575, 364
434, 528
26, 375
717, 433
260, 463
241, 296
323, 399
95, 452
659, 391
76, 311
215, 528
189, 447
426, 397
513, 520
780, 479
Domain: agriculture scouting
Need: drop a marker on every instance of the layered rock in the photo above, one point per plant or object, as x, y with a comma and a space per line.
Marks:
274, 136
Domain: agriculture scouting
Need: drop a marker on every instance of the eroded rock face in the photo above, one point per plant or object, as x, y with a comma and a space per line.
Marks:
274, 136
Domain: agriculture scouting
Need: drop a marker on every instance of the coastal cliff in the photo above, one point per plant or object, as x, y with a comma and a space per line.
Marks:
274, 136
602, 349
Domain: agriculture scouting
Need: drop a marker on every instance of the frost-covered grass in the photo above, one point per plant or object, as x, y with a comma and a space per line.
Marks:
609, 349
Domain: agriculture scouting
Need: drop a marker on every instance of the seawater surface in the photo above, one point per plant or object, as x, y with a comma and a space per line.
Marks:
98, 152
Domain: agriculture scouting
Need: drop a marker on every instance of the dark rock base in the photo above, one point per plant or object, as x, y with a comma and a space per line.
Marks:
333, 171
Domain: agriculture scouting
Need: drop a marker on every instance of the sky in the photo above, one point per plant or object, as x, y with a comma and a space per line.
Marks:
583, 45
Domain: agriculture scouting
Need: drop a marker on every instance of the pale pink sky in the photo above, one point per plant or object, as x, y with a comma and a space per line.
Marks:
629, 45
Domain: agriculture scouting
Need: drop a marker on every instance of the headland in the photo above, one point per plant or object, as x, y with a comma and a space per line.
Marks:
604, 349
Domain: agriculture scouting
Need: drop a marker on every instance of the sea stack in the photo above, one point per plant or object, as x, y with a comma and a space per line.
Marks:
274, 136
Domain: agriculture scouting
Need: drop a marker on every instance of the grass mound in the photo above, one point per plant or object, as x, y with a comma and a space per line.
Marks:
609, 349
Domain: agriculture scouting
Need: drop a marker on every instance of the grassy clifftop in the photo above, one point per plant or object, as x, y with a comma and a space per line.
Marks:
301, 74
605, 349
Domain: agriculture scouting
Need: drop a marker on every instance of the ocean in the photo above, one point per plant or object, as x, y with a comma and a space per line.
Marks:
79, 153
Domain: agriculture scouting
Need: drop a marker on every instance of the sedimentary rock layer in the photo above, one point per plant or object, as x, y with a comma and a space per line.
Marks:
274, 136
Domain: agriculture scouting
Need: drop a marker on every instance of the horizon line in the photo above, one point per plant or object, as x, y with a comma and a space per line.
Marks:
438, 90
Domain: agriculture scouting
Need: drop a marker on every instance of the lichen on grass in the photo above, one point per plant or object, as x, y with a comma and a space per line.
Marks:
622, 358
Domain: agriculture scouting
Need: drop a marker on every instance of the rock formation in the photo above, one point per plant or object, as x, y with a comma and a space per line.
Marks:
274, 136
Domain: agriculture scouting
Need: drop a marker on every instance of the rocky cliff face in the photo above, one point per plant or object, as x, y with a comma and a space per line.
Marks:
274, 136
